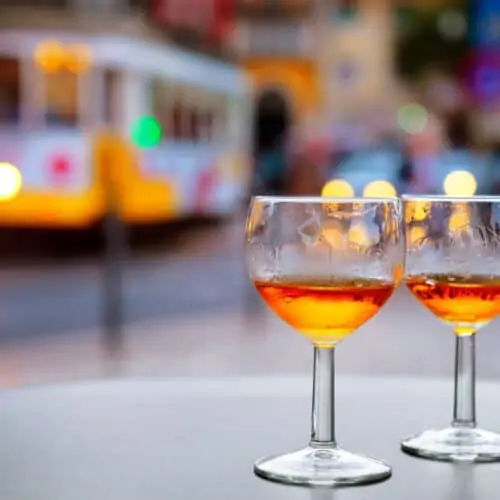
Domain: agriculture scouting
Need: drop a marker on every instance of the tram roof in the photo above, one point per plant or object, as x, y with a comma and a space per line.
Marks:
133, 54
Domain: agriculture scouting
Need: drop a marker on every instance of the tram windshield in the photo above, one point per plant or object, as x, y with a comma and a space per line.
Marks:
61, 98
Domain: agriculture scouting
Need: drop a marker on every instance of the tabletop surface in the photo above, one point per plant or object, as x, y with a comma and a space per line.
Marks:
198, 439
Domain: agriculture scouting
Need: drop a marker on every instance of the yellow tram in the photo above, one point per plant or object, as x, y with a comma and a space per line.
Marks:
85, 120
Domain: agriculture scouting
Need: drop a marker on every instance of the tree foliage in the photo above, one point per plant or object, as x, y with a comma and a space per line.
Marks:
421, 46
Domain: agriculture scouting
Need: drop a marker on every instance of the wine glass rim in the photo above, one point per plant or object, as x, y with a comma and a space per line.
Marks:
445, 198
323, 199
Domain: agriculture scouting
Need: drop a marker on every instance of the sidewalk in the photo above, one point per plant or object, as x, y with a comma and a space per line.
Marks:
213, 344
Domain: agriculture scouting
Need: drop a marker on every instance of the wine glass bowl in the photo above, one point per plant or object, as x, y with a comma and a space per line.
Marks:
325, 267
453, 250
326, 311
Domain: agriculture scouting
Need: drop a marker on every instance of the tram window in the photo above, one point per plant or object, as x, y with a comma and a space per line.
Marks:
61, 98
10, 91
111, 97
160, 105
220, 121
224, 115
234, 113
194, 128
206, 125
178, 129
210, 124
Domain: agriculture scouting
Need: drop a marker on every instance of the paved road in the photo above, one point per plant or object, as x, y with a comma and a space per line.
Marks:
69, 298
202, 272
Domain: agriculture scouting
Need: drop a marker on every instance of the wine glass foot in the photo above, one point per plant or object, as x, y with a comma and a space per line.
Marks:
322, 467
455, 444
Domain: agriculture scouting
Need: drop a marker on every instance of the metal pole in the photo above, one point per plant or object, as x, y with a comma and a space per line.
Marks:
114, 261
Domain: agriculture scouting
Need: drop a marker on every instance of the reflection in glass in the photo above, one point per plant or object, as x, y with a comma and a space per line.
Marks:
462, 483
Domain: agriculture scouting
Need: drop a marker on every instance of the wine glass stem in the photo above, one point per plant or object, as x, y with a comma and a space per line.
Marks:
464, 410
323, 407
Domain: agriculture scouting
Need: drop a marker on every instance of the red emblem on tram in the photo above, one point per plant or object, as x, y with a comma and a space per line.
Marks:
60, 168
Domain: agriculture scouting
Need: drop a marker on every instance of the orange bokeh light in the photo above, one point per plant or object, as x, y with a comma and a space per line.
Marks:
52, 57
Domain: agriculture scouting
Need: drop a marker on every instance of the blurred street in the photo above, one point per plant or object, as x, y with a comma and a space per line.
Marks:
203, 271
193, 313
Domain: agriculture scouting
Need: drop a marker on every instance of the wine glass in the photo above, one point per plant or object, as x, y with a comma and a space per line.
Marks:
452, 268
325, 266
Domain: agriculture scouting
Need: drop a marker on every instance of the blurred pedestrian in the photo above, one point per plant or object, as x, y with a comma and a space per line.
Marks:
458, 132
273, 166
305, 177
270, 170
423, 150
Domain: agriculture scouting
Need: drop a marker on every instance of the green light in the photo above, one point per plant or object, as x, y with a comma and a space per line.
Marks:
413, 118
146, 132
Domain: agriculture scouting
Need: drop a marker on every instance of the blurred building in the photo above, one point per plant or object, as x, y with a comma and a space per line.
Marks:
199, 25
317, 62
275, 40
313, 62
